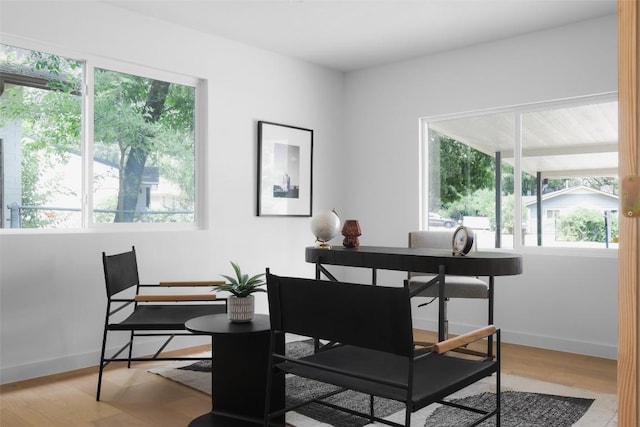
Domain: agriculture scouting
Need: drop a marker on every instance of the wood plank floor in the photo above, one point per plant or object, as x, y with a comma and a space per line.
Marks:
135, 398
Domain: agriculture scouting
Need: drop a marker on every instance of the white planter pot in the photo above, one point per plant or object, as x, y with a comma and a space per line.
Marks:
240, 310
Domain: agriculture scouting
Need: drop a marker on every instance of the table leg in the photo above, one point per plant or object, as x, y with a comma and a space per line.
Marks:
442, 306
490, 320
239, 380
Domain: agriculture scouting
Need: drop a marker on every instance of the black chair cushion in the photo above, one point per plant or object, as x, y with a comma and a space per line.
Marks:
160, 317
435, 376
438, 375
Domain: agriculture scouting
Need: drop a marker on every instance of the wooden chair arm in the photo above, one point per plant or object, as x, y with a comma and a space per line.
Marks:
464, 339
191, 297
193, 283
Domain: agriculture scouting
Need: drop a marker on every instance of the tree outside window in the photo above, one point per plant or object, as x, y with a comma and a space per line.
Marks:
142, 147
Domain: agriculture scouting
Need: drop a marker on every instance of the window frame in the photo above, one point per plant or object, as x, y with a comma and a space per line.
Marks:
518, 111
90, 63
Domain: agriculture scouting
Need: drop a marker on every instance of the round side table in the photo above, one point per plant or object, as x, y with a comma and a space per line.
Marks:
240, 363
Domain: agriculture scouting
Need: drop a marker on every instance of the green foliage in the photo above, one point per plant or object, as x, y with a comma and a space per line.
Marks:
479, 203
242, 285
585, 225
38, 190
463, 170
50, 119
483, 203
31, 196
118, 116
508, 181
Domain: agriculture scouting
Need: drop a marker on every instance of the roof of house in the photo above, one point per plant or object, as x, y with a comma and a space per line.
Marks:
531, 200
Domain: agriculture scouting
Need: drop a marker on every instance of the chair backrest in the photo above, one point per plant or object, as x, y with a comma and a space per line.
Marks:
428, 239
432, 239
374, 317
120, 271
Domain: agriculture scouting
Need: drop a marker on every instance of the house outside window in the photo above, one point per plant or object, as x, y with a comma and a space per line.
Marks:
554, 166
552, 214
85, 145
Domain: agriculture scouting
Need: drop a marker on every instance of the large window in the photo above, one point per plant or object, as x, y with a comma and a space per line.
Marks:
126, 155
543, 175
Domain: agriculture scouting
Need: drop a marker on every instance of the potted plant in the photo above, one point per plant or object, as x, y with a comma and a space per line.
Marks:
240, 305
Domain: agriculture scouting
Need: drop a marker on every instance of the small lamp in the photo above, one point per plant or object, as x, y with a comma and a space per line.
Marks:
351, 231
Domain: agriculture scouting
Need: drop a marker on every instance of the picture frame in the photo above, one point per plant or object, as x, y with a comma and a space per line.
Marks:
285, 170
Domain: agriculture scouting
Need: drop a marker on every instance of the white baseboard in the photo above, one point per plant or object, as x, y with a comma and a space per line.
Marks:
28, 370
531, 340
41, 368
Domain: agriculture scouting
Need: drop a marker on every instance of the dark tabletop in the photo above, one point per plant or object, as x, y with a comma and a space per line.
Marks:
220, 324
475, 263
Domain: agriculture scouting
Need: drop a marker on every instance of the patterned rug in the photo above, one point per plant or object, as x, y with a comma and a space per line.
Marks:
525, 402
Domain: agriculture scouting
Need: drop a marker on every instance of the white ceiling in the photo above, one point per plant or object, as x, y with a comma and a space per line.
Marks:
348, 35
352, 34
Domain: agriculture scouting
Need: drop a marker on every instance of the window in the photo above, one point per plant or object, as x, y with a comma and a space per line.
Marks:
554, 166
552, 213
131, 160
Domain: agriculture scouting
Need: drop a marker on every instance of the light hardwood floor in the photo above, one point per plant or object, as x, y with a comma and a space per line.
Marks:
135, 398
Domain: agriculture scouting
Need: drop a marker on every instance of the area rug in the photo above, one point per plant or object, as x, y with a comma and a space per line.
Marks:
525, 402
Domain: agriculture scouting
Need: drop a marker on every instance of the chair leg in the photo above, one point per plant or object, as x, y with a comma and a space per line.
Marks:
446, 319
407, 415
99, 382
104, 343
371, 407
498, 382
270, 373
130, 350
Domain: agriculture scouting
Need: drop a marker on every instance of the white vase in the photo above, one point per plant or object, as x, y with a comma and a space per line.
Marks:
240, 310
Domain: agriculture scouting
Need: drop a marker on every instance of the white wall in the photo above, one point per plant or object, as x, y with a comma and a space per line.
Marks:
52, 296
565, 302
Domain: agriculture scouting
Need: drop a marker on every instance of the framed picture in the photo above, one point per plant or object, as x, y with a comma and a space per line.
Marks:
285, 160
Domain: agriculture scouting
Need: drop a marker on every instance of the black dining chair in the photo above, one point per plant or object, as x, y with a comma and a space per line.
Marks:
374, 351
148, 310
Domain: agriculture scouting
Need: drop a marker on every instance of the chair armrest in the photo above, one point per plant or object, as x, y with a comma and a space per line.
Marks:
193, 283
191, 297
464, 339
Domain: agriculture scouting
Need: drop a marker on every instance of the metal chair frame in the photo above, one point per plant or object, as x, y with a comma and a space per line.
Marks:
375, 354
435, 280
149, 315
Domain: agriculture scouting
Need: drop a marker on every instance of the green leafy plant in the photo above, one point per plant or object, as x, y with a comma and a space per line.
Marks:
242, 285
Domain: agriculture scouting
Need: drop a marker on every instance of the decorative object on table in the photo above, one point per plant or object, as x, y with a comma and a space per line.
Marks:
285, 155
325, 226
241, 305
462, 241
351, 230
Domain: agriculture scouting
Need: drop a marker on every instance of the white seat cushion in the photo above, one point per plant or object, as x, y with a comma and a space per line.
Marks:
455, 287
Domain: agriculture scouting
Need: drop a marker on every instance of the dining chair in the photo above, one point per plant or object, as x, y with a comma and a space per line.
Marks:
374, 352
148, 310
425, 285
